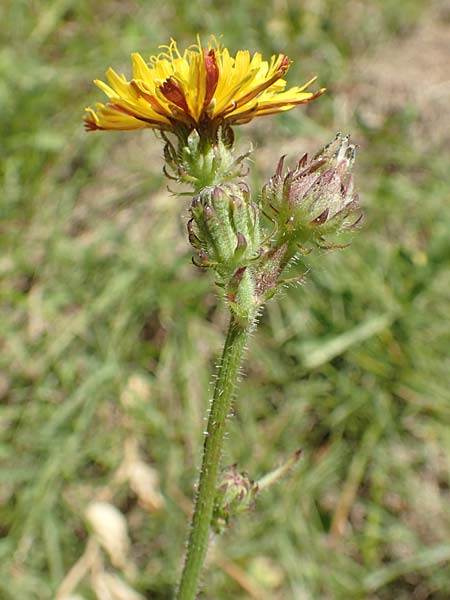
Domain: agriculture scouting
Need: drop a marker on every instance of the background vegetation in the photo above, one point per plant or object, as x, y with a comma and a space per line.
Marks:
109, 334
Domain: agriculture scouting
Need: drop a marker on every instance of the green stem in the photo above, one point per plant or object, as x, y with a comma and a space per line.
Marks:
212, 451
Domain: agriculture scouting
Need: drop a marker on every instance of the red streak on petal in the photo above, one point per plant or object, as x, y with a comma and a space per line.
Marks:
91, 125
130, 113
120, 109
173, 92
212, 75
150, 99
284, 64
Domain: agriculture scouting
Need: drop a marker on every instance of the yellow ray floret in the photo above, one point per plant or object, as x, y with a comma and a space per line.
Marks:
201, 88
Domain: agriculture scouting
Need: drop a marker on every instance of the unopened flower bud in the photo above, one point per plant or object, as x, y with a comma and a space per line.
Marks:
235, 494
224, 227
317, 197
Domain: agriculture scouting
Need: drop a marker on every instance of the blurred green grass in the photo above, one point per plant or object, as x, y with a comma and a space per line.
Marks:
108, 332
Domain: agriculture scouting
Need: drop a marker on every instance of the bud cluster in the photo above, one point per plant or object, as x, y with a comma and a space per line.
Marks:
305, 205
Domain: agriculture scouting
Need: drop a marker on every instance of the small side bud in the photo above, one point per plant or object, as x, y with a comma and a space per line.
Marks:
235, 495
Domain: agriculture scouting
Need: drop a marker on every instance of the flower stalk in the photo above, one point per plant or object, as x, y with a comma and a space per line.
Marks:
212, 451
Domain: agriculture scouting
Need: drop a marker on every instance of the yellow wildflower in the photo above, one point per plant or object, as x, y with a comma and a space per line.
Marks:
201, 89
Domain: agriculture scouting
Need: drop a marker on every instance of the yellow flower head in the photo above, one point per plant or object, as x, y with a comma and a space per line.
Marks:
201, 89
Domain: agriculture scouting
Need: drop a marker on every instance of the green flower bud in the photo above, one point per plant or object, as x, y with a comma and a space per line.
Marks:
316, 198
224, 227
235, 495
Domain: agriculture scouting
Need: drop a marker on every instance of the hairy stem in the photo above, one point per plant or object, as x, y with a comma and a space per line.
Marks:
212, 451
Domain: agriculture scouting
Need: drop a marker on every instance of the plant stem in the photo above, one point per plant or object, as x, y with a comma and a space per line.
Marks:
212, 451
